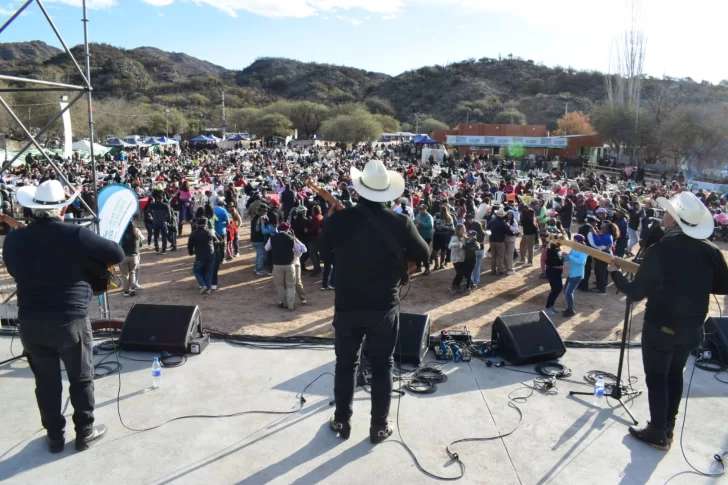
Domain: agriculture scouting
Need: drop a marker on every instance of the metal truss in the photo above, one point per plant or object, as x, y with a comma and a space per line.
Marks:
37, 85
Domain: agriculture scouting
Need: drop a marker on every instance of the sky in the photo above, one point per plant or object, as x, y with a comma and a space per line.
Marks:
684, 39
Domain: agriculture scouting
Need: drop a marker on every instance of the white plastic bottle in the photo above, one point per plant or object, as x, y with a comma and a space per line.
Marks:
599, 392
156, 373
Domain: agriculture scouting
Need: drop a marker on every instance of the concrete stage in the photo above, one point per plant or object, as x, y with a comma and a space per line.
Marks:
562, 439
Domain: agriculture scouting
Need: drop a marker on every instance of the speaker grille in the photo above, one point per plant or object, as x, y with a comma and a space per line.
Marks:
527, 338
159, 327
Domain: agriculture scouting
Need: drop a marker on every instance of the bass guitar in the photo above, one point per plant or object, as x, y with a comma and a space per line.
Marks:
628, 266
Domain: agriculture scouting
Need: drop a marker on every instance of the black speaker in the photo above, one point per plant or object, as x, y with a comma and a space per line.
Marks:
413, 340
526, 338
716, 335
157, 328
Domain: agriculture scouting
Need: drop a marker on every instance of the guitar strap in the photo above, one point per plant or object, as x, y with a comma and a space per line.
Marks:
387, 235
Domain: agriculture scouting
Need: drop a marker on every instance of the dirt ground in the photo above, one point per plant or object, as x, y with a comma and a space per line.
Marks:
247, 304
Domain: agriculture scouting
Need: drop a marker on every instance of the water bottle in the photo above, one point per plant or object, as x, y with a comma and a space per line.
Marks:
599, 392
156, 373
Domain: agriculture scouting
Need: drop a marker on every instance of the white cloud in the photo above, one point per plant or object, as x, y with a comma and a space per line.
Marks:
351, 20
287, 8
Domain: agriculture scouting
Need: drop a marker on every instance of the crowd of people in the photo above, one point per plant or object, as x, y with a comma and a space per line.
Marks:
467, 208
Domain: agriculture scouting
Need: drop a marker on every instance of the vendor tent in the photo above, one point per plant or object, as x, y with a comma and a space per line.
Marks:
163, 140
202, 139
152, 141
85, 146
423, 140
117, 142
238, 138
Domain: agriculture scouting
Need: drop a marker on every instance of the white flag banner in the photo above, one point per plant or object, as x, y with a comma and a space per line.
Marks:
117, 205
67, 133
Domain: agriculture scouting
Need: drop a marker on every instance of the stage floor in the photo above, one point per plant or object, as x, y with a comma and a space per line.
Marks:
561, 440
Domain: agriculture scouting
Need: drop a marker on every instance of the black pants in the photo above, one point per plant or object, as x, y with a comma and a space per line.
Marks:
464, 270
47, 342
380, 329
584, 285
219, 255
601, 274
556, 283
160, 230
664, 357
428, 240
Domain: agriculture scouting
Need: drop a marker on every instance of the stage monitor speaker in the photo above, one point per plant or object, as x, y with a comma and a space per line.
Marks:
716, 335
413, 340
526, 338
158, 328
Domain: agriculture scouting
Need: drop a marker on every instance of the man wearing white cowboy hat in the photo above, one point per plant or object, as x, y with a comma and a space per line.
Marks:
49, 261
367, 241
677, 276
498, 232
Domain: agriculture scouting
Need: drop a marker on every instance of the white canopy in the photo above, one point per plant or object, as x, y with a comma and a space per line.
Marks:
85, 145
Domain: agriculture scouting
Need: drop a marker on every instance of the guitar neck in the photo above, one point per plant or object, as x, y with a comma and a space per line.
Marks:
333, 201
627, 266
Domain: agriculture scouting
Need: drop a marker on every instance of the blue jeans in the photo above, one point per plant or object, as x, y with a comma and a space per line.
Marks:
571, 283
478, 261
160, 230
329, 270
203, 272
259, 256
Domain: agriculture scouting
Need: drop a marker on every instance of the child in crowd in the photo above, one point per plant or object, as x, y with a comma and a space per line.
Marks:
577, 262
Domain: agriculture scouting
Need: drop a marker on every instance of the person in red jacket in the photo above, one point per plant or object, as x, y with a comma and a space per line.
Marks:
315, 224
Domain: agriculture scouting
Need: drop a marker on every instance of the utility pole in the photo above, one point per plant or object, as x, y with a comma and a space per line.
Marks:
224, 118
166, 118
566, 109
30, 126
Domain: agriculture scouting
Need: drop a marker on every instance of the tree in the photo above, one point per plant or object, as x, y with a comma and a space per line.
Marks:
271, 124
479, 111
306, 116
511, 116
389, 123
240, 119
574, 123
379, 106
617, 125
535, 85
359, 126
428, 125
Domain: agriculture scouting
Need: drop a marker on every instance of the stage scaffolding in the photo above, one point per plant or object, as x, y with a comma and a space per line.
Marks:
20, 84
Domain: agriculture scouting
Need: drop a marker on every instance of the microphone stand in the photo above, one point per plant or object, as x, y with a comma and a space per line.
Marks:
617, 392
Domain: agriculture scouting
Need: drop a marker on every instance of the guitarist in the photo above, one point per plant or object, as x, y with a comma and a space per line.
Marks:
368, 241
53, 309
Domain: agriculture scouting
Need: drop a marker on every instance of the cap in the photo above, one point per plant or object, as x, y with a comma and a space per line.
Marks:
601, 210
579, 238
284, 227
472, 233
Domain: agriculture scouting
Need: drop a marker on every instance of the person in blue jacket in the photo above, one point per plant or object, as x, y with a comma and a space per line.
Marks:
577, 262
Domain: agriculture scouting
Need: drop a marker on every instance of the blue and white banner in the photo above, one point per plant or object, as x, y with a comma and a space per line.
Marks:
117, 205
506, 141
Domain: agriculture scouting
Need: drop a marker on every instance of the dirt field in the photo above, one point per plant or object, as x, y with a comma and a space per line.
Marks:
247, 304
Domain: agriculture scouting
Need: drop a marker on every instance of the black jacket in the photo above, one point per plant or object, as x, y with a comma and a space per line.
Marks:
367, 273
45, 261
475, 226
201, 243
161, 213
499, 230
677, 276
288, 198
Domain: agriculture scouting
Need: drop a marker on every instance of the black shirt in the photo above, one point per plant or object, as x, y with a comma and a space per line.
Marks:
45, 261
367, 271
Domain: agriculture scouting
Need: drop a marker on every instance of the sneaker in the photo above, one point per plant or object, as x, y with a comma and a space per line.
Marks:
163, 253
261, 273
427, 271
568, 313
323, 288
156, 250
528, 265
551, 311
139, 287
203, 290
173, 249
380, 433
454, 290
213, 287
304, 301
84, 442
207, 291
651, 436
281, 305
342, 429
510, 273
132, 292
149, 247
330, 288
126, 293
597, 291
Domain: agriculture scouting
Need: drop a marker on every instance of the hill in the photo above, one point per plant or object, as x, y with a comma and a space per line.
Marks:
474, 90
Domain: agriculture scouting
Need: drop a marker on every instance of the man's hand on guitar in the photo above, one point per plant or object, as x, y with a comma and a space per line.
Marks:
613, 265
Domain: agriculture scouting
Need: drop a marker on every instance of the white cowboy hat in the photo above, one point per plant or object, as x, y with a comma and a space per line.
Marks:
376, 183
690, 214
500, 212
48, 195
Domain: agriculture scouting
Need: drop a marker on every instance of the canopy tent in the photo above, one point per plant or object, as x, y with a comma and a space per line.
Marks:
202, 139
423, 140
163, 140
117, 142
140, 144
152, 141
239, 138
213, 137
85, 146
